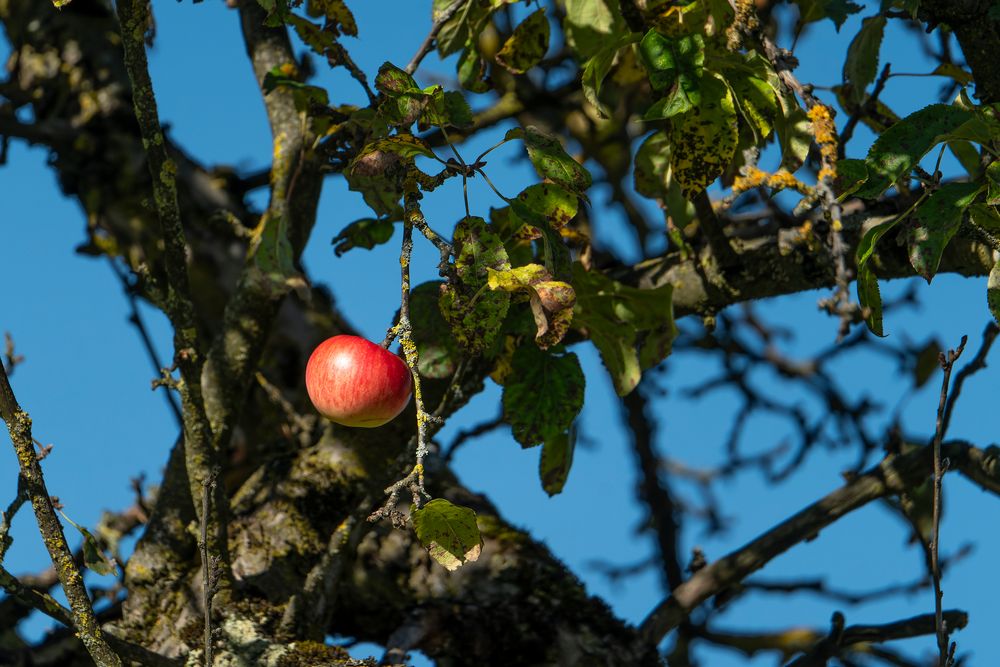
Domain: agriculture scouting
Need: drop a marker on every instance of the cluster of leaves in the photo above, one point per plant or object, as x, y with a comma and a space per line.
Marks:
940, 209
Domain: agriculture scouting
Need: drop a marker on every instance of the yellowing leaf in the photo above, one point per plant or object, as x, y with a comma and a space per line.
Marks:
527, 45
448, 532
551, 301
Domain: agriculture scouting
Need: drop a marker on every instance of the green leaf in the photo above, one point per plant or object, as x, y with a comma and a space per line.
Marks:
551, 300
556, 461
464, 27
868, 293
444, 108
985, 216
339, 18
704, 138
471, 71
437, 351
544, 201
589, 25
596, 69
365, 233
673, 61
448, 532
861, 64
954, 72
901, 147
403, 145
474, 312
835, 10
272, 257
871, 299
654, 178
527, 45
967, 155
934, 223
792, 123
993, 183
632, 328
851, 175
95, 559
756, 102
993, 292
551, 160
304, 96
542, 395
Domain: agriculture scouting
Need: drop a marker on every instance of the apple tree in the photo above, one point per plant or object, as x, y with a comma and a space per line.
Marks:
734, 179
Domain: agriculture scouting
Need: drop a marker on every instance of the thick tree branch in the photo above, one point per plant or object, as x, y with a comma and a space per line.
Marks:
201, 456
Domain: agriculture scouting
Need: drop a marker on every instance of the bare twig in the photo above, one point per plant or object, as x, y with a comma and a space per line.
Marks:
10, 358
82, 614
843, 637
468, 434
209, 564
977, 364
428, 43
135, 318
947, 363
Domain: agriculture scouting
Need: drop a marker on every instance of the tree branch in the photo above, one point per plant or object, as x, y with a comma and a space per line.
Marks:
893, 475
82, 615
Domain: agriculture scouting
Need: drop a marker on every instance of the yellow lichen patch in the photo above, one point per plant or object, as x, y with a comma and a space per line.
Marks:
753, 178
824, 131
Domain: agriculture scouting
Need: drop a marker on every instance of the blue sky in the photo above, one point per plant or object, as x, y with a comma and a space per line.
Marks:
86, 379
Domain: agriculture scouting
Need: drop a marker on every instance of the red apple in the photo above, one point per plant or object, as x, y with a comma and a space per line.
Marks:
355, 382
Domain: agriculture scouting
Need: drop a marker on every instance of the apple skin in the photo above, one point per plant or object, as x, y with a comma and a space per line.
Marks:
355, 382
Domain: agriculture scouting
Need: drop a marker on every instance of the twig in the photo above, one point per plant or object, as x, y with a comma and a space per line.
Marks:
468, 434
209, 564
200, 454
7, 517
892, 475
11, 359
414, 480
82, 615
46, 604
947, 363
977, 364
843, 637
135, 318
428, 43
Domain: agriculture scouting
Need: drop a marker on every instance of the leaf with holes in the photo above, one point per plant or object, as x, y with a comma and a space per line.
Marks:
527, 45
934, 223
448, 532
542, 395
